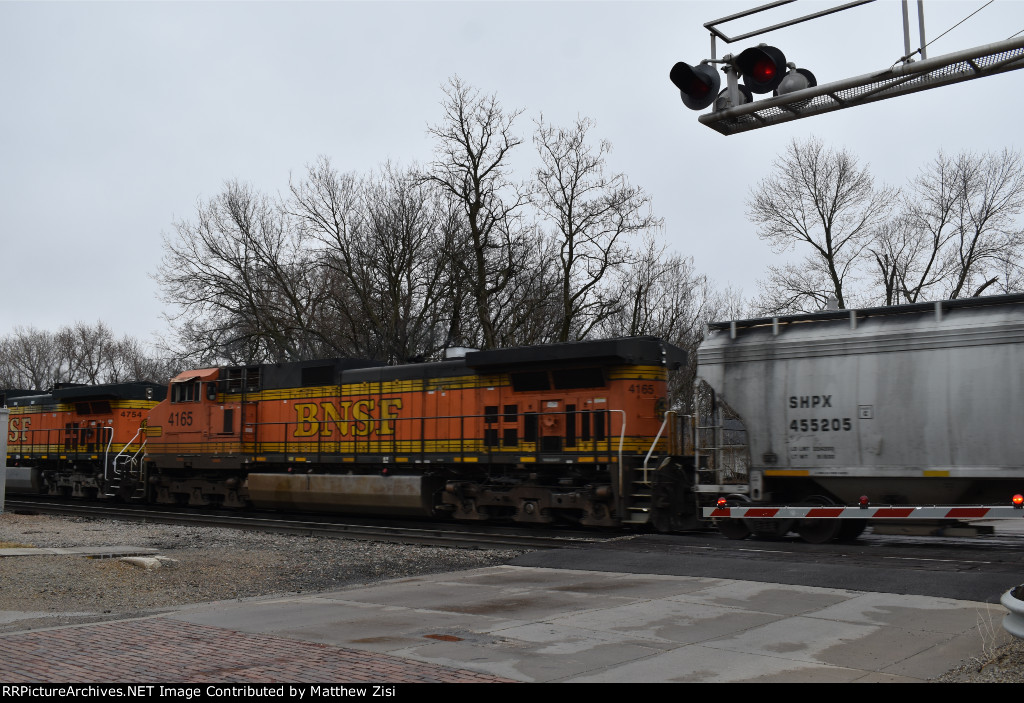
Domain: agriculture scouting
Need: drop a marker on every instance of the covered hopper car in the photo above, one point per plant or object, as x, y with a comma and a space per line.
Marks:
912, 405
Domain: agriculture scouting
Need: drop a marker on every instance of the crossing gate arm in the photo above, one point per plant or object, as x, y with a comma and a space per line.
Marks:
885, 512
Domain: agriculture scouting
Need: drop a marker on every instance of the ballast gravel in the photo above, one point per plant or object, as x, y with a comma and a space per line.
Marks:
202, 564
192, 565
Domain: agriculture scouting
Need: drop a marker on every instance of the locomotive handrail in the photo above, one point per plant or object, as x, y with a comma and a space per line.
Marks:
646, 481
106, 452
674, 416
622, 441
112, 467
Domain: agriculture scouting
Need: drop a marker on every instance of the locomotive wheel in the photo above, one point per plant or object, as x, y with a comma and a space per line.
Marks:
818, 530
673, 502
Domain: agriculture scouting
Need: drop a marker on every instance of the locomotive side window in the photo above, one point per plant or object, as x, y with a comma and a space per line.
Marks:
530, 427
187, 392
579, 378
570, 425
234, 380
252, 378
530, 381
491, 437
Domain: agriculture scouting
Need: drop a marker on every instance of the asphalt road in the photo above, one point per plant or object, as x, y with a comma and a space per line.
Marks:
978, 568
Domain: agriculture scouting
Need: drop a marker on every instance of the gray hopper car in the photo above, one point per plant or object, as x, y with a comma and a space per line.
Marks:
917, 404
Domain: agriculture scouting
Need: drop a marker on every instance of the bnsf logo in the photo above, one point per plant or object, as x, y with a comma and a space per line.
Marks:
18, 428
359, 418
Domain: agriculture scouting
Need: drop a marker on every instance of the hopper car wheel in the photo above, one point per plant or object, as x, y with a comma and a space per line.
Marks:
818, 530
850, 530
734, 528
771, 529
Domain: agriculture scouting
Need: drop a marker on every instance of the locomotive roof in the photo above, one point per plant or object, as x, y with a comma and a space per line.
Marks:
623, 350
315, 372
32, 398
327, 372
12, 393
135, 390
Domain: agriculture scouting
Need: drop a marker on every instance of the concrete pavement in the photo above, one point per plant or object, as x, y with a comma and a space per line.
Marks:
554, 625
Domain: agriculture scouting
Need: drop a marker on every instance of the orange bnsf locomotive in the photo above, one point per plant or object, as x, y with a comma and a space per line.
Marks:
532, 434
82, 441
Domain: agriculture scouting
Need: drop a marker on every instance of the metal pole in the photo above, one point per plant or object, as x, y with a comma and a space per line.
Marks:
3, 455
906, 31
920, 23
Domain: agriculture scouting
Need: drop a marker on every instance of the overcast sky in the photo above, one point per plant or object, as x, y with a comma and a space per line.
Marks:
118, 118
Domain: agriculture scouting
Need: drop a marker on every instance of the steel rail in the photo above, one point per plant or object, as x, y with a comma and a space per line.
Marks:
443, 535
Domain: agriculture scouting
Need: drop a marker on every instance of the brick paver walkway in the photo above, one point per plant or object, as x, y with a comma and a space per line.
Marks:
160, 650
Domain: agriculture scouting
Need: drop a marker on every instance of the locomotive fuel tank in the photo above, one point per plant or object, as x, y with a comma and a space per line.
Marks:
907, 404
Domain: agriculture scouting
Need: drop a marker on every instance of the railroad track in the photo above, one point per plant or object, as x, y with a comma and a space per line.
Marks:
441, 535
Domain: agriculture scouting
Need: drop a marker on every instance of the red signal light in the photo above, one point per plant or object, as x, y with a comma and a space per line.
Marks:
763, 71
763, 67
722, 503
863, 502
1018, 501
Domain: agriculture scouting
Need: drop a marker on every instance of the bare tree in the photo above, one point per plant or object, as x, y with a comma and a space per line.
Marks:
794, 288
663, 295
33, 360
383, 239
130, 360
822, 200
957, 234
592, 213
90, 351
245, 288
529, 308
471, 166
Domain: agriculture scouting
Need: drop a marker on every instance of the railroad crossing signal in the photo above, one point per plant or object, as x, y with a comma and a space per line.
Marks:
795, 92
763, 69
